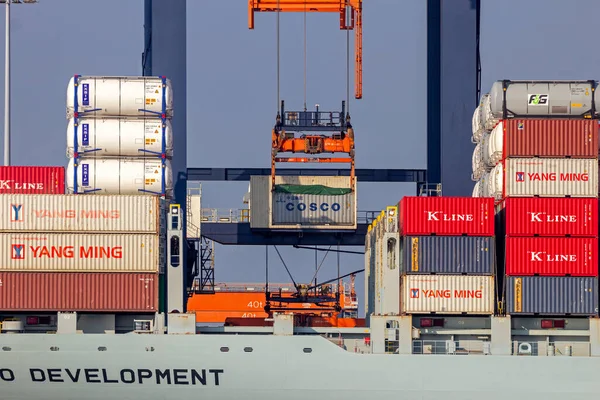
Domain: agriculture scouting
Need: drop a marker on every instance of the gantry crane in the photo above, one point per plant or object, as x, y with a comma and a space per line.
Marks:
350, 12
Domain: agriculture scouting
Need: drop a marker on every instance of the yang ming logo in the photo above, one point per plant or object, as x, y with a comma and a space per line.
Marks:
520, 176
18, 252
16, 214
414, 293
537, 99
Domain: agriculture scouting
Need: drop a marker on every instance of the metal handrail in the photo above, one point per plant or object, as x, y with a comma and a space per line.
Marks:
233, 215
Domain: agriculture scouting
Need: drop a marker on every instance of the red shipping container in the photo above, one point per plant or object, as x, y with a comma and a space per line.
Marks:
32, 180
540, 216
449, 216
551, 256
576, 138
75, 291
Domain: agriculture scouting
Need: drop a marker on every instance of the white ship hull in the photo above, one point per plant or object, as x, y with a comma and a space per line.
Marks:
153, 367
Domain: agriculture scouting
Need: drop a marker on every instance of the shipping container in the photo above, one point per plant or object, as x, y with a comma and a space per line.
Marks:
124, 137
473, 255
302, 202
446, 216
64, 291
551, 256
32, 180
543, 99
544, 177
83, 252
120, 96
120, 176
74, 213
447, 294
552, 295
477, 127
559, 216
575, 138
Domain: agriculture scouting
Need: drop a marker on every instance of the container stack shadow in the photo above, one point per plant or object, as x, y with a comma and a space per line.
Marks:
537, 156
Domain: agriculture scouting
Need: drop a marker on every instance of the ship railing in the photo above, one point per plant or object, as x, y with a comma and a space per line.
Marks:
530, 348
242, 215
456, 347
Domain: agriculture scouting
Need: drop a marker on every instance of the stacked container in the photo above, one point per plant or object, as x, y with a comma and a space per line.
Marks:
440, 259
119, 137
543, 149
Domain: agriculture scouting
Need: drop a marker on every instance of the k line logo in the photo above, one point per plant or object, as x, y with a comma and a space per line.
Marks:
414, 293
537, 99
16, 213
18, 252
520, 177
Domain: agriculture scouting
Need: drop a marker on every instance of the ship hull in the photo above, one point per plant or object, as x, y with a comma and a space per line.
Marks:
153, 367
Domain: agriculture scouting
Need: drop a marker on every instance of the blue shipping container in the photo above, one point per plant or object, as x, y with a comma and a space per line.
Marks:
450, 255
552, 295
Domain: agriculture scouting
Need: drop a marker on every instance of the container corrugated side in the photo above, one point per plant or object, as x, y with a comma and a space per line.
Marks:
550, 177
270, 210
32, 180
448, 255
552, 295
446, 216
84, 252
59, 291
577, 138
447, 294
551, 256
75, 213
526, 216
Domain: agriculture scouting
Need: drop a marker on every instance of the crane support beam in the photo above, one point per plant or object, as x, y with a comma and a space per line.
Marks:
362, 174
350, 12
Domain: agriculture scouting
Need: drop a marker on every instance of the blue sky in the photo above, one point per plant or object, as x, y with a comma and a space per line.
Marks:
231, 85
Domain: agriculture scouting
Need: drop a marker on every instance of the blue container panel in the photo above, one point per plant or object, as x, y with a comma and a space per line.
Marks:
552, 295
449, 255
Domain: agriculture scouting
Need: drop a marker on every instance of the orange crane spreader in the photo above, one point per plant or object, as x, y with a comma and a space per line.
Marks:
346, 8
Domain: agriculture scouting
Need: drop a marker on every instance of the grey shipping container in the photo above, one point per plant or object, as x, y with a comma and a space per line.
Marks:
531, 99
450, 255
330, 208
552, 295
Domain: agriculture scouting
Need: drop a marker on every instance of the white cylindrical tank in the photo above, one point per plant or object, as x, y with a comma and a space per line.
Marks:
477, 127
477, 162
495, 182
485, 190
119, 96
493, 155
488, 162
477, 190
119, 137
487, 119
119, 176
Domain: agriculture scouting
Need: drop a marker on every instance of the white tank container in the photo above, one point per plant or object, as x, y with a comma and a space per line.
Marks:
477, 190
119, 137
494, 147
487, 161
119, 96
495, 182
541, 99
477, 162
119, 176
477, 122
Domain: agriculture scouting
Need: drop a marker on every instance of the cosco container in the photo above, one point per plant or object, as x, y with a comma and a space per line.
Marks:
528, 216
83, 252
302, 202
448, 255
575, 138
544, 177
447, 294
120, 176
551, 256
124, 137
120, 96
446, 216
552, 295
81, 214
65, 291
542, 99
34, 180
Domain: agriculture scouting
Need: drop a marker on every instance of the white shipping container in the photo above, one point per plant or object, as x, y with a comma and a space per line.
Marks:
270, 210
66, 252
75, 213
119, 176
447, 294
119, 96
125, 137
548, 177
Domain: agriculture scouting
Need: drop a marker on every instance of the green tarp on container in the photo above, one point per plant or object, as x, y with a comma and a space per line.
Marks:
311, 189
